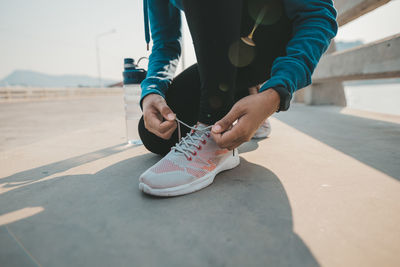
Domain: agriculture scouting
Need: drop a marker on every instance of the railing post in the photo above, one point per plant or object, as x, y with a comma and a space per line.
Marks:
326, 93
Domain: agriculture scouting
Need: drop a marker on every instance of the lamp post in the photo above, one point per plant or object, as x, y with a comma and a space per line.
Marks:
98, 53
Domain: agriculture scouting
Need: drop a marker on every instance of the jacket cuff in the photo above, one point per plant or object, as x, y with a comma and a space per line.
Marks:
284, 94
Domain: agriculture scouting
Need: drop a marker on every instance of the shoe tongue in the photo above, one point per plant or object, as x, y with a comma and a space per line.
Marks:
199, 126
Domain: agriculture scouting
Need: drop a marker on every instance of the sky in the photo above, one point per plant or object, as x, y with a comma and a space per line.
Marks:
58, 37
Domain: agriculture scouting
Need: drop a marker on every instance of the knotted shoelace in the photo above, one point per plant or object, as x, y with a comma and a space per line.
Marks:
188, 144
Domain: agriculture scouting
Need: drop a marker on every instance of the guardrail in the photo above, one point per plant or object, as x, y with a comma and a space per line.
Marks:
20, 93
377, 60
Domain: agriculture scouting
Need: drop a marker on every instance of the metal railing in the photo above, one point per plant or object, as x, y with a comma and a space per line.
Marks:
20, 93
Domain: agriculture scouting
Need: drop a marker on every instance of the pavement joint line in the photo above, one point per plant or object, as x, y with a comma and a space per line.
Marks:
19, 243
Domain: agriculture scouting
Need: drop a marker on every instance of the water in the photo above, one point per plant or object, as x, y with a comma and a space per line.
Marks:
132, 113
382, 98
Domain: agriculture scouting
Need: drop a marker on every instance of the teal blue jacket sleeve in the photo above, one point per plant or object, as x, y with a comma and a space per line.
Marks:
314, 25
166, 32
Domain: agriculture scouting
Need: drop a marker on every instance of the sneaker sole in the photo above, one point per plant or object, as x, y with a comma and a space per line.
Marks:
262, 135
194, 186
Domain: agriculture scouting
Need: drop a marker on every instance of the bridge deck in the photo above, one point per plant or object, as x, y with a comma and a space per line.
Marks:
324, 189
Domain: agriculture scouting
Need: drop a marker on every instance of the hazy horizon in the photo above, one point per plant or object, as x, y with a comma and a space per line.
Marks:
59, 37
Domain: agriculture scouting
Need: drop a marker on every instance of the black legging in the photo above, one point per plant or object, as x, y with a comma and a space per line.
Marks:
226, 66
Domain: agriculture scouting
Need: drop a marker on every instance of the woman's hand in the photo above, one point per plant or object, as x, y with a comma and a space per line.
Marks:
158, 117
250, 112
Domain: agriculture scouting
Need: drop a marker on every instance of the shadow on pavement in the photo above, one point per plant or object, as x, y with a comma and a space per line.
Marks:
249, 146
374, 143
243, 219
62, 165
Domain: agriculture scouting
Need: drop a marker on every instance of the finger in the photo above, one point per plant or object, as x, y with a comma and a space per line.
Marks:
166, 126
229, 144
236, 144
226, 139
226, 122
165, 111
163, 133
217, 138
233, 137
152, 121
155, 124
167, 135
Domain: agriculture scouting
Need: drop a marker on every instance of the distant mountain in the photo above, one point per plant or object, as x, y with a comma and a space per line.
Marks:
37, 79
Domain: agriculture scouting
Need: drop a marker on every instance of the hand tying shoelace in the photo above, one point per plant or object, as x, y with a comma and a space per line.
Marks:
191, 164
189, 143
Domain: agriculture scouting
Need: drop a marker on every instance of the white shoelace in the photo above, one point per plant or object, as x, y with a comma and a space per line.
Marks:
190, 142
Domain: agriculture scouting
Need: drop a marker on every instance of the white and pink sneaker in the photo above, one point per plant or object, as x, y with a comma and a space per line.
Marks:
263, 131
190, 166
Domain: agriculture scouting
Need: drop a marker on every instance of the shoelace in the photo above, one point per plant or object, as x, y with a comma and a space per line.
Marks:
188, 144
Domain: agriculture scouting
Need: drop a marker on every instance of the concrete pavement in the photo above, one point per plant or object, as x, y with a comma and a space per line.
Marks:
322, 191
